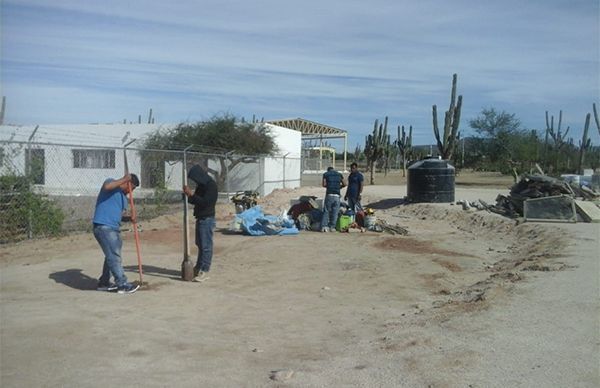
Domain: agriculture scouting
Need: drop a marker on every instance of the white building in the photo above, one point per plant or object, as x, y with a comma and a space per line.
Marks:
76, 159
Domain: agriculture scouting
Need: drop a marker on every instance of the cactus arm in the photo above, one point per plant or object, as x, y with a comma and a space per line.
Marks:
596, 117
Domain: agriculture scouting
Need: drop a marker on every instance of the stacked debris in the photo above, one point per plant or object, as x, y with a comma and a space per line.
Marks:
306, 213
536, 186
244, 200
584, 192
391, 229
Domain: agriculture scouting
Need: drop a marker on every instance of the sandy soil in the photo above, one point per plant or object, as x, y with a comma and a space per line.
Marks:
467, 299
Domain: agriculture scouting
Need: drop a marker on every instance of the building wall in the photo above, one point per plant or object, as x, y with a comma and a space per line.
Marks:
61, 177
284, 170
288, 141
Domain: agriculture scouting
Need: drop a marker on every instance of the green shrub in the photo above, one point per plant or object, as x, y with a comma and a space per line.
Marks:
23, 211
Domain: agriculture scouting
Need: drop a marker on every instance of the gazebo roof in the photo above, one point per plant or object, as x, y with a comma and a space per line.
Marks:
310, 129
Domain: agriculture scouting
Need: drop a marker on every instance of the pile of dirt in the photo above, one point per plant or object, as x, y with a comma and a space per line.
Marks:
513, 249
279, 199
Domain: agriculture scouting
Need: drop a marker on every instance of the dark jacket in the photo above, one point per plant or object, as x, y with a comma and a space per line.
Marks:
206, 193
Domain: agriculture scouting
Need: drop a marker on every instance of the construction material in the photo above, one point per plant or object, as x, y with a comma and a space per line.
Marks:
244, 200
529, 187
589, 211
558, 208
543, 198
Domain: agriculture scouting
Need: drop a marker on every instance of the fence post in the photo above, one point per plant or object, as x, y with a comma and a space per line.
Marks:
185, 158
29, 183
227, 187
261, 176
186, 231
284, 156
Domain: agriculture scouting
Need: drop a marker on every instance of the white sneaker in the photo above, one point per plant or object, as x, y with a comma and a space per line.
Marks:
202, 276
325, 230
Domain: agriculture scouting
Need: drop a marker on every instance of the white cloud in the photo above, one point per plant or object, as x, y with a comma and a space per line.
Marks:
343, 63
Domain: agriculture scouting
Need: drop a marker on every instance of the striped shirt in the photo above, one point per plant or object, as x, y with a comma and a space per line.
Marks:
333, 181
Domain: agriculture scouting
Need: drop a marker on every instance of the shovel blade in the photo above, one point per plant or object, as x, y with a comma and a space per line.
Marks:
187, 270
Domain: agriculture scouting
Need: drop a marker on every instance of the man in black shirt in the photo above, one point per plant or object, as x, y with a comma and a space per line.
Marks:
204, 199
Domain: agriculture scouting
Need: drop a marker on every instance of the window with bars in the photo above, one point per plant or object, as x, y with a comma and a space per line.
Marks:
93, 158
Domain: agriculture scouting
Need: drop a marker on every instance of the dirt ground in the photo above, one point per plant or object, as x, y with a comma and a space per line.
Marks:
466, 299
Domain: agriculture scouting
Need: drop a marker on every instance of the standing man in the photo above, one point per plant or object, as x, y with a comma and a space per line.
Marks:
333, 181
204, 199
111, 205
354, 189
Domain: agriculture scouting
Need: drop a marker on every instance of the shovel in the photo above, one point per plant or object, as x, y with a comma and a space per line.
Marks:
133, 215
187, 268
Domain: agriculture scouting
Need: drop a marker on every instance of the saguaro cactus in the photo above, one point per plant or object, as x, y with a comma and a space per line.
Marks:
376, 145
558, 137
596, 118
585, 144
404, 145
447, 143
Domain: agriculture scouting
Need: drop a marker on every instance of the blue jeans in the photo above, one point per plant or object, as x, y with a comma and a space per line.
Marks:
111, 244
204, 241
331, 210
354, 204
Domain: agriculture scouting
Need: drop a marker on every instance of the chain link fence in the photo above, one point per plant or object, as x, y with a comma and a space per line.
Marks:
48, 189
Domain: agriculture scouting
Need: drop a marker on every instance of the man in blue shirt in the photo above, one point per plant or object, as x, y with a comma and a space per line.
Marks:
354, 189
333, 181
110, 208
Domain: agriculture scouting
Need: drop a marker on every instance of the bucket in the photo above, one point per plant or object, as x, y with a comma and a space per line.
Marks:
370, 221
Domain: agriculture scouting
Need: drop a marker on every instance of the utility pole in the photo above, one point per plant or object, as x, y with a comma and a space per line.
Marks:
2, 110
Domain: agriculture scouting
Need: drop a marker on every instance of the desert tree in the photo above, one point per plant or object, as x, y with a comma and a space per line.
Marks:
499, 133
229, 140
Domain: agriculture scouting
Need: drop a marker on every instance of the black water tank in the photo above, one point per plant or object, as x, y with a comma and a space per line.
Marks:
431, 180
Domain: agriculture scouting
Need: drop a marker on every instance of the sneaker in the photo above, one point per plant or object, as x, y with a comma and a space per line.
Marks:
325, 230
196, 271
107, 287
128, 288
202, 276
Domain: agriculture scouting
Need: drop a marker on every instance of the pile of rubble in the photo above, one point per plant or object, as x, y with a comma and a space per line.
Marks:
538, 187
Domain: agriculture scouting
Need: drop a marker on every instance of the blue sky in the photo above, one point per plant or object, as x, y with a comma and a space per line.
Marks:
343, 63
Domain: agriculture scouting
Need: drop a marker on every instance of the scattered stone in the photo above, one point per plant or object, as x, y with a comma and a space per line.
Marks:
281, 375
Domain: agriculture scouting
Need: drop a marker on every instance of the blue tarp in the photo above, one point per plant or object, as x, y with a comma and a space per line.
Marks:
255, 223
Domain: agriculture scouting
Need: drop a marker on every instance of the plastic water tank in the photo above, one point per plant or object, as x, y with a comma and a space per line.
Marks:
431, 180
